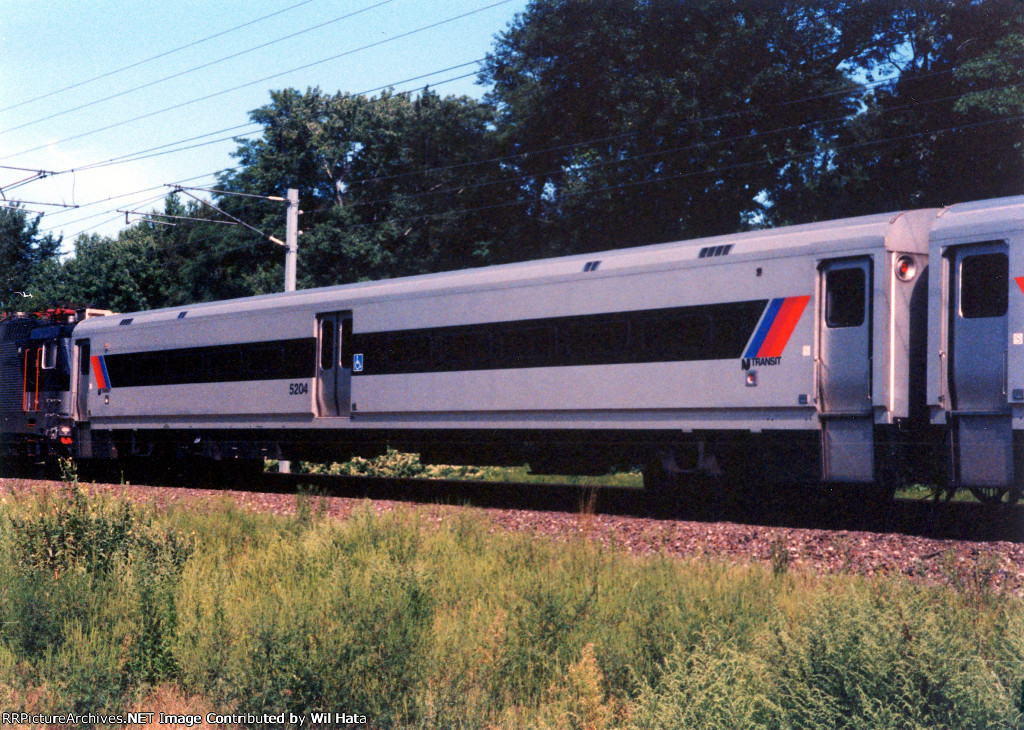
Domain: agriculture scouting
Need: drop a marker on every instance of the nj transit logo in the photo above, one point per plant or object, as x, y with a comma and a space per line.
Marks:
773, 331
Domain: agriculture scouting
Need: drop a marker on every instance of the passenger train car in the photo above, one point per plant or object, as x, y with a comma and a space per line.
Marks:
828, 352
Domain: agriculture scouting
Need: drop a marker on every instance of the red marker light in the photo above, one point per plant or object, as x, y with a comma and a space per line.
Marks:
905, 268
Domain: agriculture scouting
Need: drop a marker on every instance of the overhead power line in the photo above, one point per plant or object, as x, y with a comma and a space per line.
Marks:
122, 196
692, 173
122, 159
154, 58
139, 155
609, 188
375, 44
144, 154
524, 153
195, 68
39, 202
160, 150
615, 161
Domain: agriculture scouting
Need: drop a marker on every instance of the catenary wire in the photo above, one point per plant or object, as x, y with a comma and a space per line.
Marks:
142, 154
637, 183
137, 155
125, 195
709, 171
154, 58
194, 68
657, 153
523, 153
375, 44
120, 160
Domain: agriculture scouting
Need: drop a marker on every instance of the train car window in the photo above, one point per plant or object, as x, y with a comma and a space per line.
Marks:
266, 363
845, 297
49, 360
464, 347
345, 344
596, 341
150, 370
984, 285
676, 337
225, 365
299, 359
326, 344
190, 366
528, 345
406, 350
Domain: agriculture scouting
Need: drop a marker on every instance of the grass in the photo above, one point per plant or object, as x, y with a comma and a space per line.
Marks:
396, 464
417, 624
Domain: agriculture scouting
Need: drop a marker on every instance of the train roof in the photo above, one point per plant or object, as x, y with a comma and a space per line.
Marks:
981, 219
903, 231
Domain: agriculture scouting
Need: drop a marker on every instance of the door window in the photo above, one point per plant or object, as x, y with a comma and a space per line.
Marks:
326, 344
844, 297
983, 285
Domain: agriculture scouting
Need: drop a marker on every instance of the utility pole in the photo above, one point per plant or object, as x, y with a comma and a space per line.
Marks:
291, 255
291, 240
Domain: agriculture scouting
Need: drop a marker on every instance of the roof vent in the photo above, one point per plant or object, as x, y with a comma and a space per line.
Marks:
126, 321
591, 265
709, 251
181, 315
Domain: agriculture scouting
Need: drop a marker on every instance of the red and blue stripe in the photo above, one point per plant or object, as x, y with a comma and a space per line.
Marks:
776, 327
99, 369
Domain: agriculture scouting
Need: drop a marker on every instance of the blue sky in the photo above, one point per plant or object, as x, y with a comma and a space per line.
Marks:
48, 45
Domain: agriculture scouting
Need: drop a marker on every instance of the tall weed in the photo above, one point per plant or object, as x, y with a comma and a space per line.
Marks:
427, 622
896, 658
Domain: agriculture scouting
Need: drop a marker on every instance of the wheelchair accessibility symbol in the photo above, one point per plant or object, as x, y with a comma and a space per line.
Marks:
357, 363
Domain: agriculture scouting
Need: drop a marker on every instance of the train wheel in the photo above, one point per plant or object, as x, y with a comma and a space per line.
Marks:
660, 482
669, 488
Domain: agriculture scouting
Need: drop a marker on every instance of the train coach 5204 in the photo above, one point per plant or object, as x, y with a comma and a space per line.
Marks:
813, 353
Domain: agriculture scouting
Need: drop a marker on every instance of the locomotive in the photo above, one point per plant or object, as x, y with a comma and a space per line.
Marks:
878, 350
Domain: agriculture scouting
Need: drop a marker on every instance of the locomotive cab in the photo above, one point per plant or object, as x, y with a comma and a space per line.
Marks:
36, 421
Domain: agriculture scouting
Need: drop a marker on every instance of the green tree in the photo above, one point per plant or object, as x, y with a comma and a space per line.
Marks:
115, 274
637, 121
27, 261
388, 185
946, 127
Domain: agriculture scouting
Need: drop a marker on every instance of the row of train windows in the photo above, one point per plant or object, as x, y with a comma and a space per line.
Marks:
681, 337
250, 361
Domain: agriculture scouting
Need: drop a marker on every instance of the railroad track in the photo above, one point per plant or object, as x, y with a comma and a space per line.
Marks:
970, 546
822, 508
806, 508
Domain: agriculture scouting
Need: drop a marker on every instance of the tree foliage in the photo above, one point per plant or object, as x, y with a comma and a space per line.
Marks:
948, 127
27, 259
608, 123
388, 185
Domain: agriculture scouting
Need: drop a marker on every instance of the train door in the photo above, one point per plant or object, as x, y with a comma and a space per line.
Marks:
30, 377
333, 368
80, 381
982, 439
844, 370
